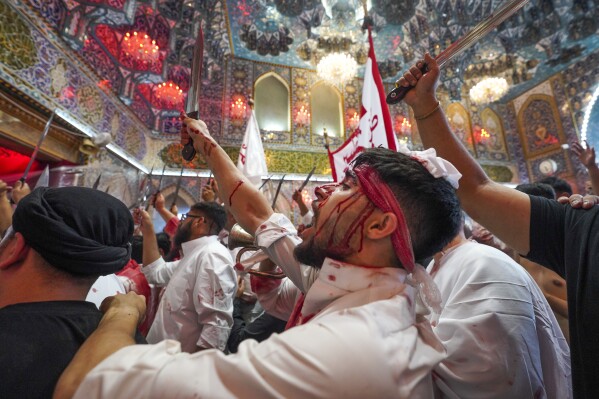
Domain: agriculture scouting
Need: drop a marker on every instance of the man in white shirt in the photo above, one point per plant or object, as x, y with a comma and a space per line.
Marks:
196, 308
501, 336
356, 334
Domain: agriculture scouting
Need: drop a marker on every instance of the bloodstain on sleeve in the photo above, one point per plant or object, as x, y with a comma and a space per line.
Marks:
263, 285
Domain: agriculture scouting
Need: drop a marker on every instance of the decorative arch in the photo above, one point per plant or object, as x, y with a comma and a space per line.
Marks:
460, 124
539, 125
184, 196
326, 104
494, 144
272, 103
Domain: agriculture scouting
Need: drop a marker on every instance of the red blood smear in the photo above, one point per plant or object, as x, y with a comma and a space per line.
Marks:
239, 183
343, 246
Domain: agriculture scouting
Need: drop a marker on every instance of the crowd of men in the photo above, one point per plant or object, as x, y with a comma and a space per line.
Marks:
380, 295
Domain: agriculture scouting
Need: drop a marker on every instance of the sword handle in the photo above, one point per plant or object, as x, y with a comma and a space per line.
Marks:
399, 92
188, 152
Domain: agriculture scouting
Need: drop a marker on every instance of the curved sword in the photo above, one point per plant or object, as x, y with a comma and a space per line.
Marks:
465, 42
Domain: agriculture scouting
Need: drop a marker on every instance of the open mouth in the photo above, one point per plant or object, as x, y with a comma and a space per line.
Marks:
303, 228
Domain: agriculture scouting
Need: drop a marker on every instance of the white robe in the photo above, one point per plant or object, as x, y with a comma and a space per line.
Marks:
501, 336
361, 341
196, 308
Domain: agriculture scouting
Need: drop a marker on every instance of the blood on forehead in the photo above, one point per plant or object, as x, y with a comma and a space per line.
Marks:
350, 180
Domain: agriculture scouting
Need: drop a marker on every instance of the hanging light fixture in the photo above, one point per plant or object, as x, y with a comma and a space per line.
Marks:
353, 120
140, 47
169, 95
488, 90
302, 118
337, 68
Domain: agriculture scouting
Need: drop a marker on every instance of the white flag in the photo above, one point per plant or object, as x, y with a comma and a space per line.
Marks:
252, 162
375, 128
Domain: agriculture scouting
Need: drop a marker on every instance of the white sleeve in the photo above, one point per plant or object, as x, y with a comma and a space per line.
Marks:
307, 218
213, 295
344, 357
278, 238
277, 297
159, 272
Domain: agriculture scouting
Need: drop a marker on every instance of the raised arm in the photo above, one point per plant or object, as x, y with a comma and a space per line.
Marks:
158, 201
587, 158
122, 314
246, 203
504, 211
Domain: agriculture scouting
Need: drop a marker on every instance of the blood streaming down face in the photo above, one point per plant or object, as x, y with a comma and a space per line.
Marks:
340, 212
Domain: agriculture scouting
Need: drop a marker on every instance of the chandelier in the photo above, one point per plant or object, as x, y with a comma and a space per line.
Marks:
140, 47
488, 90
302, 118
169, 95
337, 68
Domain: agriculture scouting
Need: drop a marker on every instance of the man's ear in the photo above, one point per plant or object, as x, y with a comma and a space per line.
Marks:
15, 251
381, 225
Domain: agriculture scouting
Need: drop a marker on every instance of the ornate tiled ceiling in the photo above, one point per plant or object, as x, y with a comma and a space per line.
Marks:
542, 39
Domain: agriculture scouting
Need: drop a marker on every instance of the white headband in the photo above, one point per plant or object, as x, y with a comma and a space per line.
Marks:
437, 166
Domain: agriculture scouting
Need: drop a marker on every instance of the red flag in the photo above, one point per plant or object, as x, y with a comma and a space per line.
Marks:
375, 128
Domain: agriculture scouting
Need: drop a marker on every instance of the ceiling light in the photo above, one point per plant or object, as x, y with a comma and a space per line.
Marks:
337, 68
140, 47
488, 90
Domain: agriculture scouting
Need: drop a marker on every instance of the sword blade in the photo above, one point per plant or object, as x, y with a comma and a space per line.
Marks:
37, 147
508, 9
307, 179
143, 195
192, 105
264, 183
274, 200
97, 182
176, 195
160, 180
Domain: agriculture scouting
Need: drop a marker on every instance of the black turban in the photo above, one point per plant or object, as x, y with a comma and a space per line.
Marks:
77, 229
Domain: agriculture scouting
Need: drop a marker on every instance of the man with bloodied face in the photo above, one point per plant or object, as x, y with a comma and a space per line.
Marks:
354, 328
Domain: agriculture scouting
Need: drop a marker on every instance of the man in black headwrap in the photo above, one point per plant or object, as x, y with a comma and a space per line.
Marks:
61, 241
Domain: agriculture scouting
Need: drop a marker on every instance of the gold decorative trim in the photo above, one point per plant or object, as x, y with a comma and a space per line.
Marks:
23, 124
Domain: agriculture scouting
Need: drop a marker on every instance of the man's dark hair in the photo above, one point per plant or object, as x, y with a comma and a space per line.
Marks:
137, 249
559, 185
430, 205
214, 212
537, 189
164, 242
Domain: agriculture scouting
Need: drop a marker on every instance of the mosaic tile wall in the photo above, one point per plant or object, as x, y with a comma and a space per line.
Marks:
567, 95
34, 61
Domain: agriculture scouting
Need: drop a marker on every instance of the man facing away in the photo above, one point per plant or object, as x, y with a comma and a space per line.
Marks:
61, 241
196, 308
556, 236
359, 337
501, 336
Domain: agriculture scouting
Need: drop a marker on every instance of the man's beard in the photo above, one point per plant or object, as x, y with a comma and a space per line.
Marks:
308, 254
182, 235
